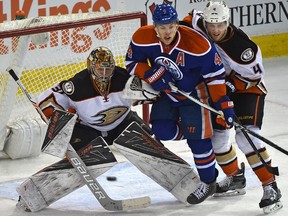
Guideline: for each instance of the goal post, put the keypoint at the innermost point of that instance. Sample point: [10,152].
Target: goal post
[43,51]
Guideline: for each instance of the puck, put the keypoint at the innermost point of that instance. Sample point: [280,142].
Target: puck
[111,178]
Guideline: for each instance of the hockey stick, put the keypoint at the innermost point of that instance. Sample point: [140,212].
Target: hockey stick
[265,140]
[244,130]
[96,189]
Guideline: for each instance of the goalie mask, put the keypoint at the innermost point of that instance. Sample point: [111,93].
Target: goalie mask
[101,64]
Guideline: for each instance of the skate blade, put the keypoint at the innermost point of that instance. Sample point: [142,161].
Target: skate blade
[272,208]
[229,193]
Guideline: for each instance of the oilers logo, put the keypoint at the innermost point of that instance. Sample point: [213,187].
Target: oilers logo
[170,66]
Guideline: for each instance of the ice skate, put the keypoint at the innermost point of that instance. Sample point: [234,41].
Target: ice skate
[270,201]
[232,185]
[22,205]
[201,193]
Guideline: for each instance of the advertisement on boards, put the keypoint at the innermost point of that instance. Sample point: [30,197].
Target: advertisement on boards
[256,17]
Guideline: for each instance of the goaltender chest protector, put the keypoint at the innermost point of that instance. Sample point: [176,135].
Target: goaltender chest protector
[93,109]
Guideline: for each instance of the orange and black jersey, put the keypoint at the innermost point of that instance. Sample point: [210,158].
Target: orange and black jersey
[241,57]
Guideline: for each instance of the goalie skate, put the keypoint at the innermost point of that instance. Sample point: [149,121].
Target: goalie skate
[232,185]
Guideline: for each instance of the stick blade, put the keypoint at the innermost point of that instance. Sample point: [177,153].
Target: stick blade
[128,204]
[136,203]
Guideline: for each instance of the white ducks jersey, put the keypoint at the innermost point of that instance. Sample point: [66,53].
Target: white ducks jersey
[80,94]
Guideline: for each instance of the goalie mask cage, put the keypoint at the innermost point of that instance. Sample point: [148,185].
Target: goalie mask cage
[71,39]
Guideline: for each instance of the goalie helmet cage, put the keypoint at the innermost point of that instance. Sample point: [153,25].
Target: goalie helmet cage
[71,38]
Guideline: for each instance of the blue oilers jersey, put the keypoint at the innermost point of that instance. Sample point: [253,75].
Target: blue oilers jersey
[192,59]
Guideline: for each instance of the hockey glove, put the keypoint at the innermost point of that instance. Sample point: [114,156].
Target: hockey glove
[230,87]
[226,107]
[158,78]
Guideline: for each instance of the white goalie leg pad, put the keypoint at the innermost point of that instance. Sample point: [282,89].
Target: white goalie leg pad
[185,186]
[25,138]
[137,89]
[157,162]
[178,179]
[28,191]
[44,188]
[3,155]
[59,179]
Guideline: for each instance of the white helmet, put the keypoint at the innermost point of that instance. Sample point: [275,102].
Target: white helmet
[216,12]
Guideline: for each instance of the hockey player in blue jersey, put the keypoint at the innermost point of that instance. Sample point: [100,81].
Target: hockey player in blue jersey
[165,53]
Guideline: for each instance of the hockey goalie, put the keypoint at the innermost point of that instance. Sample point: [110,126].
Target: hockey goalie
[99,116]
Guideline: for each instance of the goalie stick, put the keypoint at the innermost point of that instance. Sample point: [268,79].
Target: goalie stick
[244,130]
[96,189]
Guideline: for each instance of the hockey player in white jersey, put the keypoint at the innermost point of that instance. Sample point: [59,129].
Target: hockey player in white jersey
[242,60]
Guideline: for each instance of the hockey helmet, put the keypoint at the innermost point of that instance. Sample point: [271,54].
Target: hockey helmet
[101,63]
[164,14]
[216,12]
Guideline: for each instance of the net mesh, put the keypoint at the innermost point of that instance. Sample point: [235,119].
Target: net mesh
[70,40]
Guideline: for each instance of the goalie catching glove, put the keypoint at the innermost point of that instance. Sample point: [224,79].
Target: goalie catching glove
[139,91]
[226,107]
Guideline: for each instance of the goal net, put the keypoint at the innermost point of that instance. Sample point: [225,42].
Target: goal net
[42,61]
